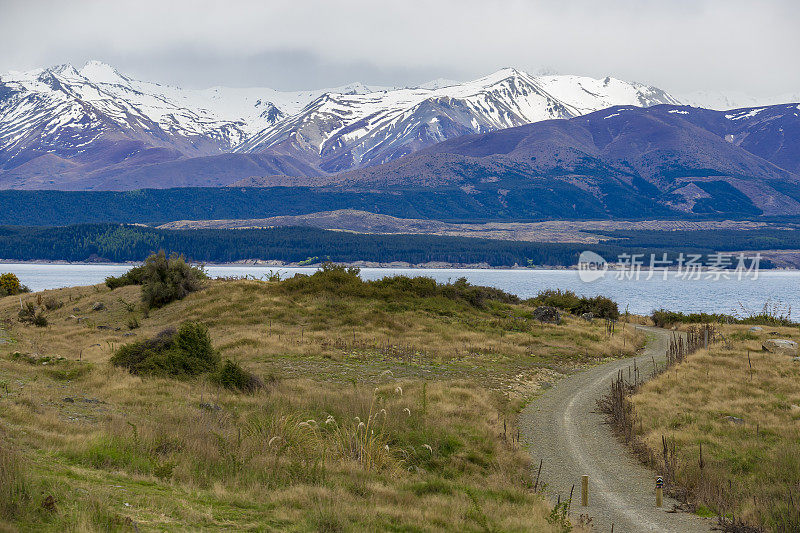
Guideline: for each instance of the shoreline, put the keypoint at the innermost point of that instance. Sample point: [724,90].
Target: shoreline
[613,268]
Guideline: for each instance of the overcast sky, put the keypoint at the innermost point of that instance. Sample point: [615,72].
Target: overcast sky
[678,45]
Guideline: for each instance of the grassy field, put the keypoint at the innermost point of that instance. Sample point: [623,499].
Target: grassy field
[741,405]
[384,408]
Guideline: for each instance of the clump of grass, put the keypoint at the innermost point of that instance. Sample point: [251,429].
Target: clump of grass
[51,304]
[182,353]
[14,488]
[71,372]
[29,315]
[232,376]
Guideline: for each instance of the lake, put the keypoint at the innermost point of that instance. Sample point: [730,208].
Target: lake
[641,296]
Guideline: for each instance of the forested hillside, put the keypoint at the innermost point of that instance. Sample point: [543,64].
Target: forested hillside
[114,242]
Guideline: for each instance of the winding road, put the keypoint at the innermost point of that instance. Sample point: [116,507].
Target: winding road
[563,429]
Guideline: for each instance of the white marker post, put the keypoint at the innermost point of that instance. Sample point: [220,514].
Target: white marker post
[659,491]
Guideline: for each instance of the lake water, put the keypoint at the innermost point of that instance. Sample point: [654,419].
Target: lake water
[641,296]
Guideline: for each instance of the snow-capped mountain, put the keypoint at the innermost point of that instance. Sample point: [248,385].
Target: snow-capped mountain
[725,100]
[339,132]
[62,110]
[63,126]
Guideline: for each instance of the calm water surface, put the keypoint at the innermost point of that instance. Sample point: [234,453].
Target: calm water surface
[641,296]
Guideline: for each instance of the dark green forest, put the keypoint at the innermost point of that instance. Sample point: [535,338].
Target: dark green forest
[718,240]
[157,206]
[115,242]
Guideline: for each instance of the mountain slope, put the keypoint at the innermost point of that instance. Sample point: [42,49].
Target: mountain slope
[339,132]
[622,161]
[71,128]
[60,126]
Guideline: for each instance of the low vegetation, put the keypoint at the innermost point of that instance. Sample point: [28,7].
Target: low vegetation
[10,285]
[163,279]
[30,314]
[599,306]
[184,352]
[723,426]
[773,313]
[134,276]
[317,403]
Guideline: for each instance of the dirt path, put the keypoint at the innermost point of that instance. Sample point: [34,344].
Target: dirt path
[564,430]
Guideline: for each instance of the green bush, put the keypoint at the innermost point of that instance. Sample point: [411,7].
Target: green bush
[662,318]
[134,276]
[345,281]
[232,376]
[163,279]
[182,353]
[599,306]
[10,285]
[167,279]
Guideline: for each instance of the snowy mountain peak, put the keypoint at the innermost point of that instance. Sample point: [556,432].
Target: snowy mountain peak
[66,112]
[502,75]
[438,83]
[341,131]
[99,72]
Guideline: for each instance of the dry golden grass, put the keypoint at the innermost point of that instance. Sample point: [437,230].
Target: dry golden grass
[378,414]
[752,461]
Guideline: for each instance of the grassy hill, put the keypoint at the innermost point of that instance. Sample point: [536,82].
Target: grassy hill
[386,405]
[730,416]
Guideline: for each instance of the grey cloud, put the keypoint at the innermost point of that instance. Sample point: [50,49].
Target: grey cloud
[678,45]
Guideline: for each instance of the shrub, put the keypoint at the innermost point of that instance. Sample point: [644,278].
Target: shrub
[167,279]
[163,279]
[134,276]
[10,285]
[461,289]
[232,376]
[28,315]
[599,306]
[662,318]
[51,304]
[341,280]
[182,353]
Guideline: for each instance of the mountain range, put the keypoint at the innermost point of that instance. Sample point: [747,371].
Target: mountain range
[96,128]
[623,162]
[511,144]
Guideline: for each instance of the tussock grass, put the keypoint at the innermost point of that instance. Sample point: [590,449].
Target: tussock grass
[742,405]
[387,409]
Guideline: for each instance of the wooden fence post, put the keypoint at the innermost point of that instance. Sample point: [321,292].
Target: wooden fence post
[584,491]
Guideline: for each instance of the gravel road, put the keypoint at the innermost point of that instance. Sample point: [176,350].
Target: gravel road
[564,430]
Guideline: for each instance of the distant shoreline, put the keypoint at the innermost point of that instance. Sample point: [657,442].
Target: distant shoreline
[278,264]
[367,264]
